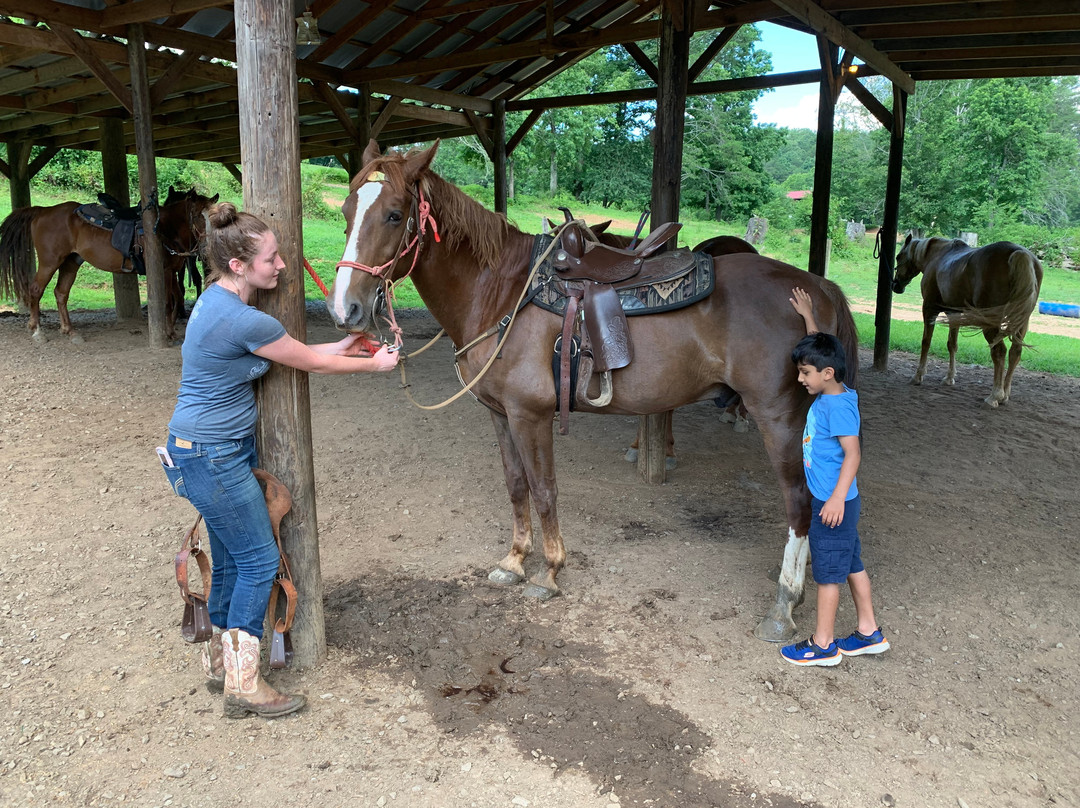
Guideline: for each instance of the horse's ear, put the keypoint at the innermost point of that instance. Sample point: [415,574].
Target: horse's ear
[600,228]
[214,199]
[418,162]
[907,241]
[371,152]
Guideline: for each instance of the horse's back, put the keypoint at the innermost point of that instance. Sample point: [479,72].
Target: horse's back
[987,276]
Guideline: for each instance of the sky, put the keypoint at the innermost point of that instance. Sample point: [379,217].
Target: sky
[789,107]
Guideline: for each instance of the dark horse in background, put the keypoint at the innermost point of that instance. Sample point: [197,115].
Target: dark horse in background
[63,241]
[993,288]
[739,338]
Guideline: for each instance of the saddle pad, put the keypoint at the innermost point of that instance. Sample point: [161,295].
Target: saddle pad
[691,282]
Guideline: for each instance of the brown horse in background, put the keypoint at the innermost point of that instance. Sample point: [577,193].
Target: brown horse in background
[63,241]
[474,275]
[993,288]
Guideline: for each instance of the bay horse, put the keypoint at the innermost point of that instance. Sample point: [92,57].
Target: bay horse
[471,265]
[63,241]
[993,288]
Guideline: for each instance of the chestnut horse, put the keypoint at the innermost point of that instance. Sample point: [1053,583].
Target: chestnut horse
[471,266]
[62,241]
[993,288]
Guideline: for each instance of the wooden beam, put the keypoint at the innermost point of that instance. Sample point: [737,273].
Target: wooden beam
[481,133]
[168,81]
[530,120]
[817,18]
[97,66]
[147,10]
[868,100]
[415,92]
[887,233]
[42,160]
[644,62]
[49,12]
[712,50]
[342,114]
[387,110]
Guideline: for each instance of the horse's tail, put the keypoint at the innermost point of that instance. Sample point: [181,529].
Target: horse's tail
[17,254]
[1025,280]
[846,330]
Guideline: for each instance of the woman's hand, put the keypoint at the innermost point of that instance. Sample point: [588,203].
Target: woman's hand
[355,345]
[385,359]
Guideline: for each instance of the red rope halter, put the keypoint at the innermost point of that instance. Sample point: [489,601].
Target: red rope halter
[385,272]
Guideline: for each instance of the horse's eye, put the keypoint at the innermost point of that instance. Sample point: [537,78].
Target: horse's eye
[394,217]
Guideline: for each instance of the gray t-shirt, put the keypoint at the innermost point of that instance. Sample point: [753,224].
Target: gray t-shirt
[216,400]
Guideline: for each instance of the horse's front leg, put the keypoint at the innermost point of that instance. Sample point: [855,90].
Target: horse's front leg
[954,334]
[784,449]
[927,336]
[511,570]
[997,354]
[532,436]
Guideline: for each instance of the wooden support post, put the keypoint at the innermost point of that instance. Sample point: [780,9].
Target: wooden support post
[18,154]
[153,253]
[887,234]
[823,158]
[498,155]
[270,152]
[114,172]
[674,62]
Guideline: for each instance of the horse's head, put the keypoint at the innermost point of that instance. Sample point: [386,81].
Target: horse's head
[908,263]
[383,220]
[182,220]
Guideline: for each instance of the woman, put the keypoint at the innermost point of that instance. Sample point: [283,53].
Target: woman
[211,446]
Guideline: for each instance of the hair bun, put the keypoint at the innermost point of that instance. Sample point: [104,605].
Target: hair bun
[222,215]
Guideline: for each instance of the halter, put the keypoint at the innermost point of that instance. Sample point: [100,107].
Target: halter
[420,213]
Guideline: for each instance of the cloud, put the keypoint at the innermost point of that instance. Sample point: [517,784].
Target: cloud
[790,113]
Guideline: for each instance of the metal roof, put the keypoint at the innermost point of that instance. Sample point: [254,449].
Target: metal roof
[435,67]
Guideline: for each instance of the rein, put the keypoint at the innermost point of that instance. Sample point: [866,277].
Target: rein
[421,214]
[505,324]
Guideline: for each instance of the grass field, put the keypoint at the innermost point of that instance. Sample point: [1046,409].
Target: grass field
[855,271]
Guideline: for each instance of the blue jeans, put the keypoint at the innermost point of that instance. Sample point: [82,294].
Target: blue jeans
[216,478]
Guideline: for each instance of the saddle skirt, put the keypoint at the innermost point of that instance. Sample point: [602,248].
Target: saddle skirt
[124,230]
[669,281]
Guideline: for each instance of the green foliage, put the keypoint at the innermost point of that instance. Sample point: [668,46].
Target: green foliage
[312,201]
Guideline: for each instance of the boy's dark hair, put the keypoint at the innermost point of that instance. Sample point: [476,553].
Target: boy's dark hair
[822,351]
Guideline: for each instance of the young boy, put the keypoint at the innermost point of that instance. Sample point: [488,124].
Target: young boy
[831,455]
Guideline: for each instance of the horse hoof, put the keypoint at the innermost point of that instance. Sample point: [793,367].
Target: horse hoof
[948,382]
[540,592]
[727,418]
[631,455]
[39,337]
[775,628]
[670,463]
[917,380]
[742,425]
[501,576]
[76,339]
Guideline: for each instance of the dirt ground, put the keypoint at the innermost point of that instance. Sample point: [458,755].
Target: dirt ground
[642,685]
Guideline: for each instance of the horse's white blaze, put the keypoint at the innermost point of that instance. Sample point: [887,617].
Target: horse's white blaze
[793,571]
[365,198]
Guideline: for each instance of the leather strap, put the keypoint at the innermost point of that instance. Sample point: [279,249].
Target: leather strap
[192,546]
[279,503]
[564,363]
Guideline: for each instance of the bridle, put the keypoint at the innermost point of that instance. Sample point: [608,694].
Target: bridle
[419,218]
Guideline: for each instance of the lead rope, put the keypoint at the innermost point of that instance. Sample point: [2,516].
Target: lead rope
[489,333]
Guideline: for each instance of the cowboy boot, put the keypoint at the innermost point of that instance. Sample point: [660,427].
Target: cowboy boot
[212,663]
[245,691]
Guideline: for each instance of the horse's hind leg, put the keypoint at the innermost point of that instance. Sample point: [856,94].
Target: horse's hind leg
[511,570]
[66,279]
[46,269]
[1015,349]
[954,334]
[997,354]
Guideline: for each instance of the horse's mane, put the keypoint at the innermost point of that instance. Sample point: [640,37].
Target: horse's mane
[460,218]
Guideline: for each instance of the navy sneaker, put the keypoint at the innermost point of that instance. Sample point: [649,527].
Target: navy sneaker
[858,644]
[808,653]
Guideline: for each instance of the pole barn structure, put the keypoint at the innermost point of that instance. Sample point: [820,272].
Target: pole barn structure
[230,83]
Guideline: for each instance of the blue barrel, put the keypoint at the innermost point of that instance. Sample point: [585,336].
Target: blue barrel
[1060,309]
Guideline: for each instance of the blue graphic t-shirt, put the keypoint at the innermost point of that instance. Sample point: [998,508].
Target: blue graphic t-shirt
[830,418]
[216,401]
